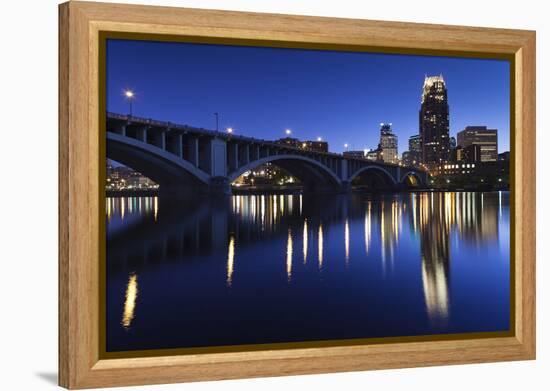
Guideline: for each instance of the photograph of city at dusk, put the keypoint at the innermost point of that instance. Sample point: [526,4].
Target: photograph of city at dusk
[264,195]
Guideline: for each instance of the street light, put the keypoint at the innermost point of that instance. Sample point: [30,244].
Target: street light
[346,145]
[229,130]
[319,139]
[288,132]
[129,95]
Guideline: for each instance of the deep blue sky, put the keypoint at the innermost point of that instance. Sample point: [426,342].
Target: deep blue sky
[339,96]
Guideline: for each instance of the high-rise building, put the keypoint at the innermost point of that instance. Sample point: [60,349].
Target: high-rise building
[407,159]
[415,148]
[486,139]
[388,144]
[434,121]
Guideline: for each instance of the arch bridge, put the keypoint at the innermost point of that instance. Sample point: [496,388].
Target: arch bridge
[181,157]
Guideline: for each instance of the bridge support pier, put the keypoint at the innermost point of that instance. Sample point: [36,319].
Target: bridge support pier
[345,187]
[219,185]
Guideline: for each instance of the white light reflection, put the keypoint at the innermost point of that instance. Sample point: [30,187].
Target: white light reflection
[436,290]
[230,260]
[368,228]
[130,301]
[289,255]
[320,246]
[304,241]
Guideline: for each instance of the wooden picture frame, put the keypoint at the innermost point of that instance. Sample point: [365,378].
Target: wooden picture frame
[81,210]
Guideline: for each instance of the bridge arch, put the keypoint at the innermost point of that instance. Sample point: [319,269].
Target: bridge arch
[159,165]
[377,169]
[313,174]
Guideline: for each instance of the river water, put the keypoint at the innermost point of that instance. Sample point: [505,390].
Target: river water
[254,269]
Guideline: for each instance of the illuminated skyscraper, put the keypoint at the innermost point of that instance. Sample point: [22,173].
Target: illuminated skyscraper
[434,121]
[415,148]
[388,144]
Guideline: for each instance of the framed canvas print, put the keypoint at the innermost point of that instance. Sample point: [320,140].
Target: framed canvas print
[248,195]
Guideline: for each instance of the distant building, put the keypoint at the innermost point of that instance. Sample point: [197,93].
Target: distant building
[374,155]
[415,148]
[454,168]
[434,121]
[473,175]
[318,146]
[486,139]
[290,141]
[355,154]
[388,144]
[469,154]
[124,178]
[407,158]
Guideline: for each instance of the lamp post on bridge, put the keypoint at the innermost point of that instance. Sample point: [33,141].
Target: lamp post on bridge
[129,94]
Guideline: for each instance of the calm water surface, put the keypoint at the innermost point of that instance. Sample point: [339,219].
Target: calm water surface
[282,268]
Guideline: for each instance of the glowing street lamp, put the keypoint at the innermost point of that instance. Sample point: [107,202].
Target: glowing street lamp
[229,130]
[319,139]
[129,95]
[288,132]
[346,145]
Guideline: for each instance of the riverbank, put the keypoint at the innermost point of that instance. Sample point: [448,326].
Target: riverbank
[132,193]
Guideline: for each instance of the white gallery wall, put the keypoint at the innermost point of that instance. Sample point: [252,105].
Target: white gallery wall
[28,194]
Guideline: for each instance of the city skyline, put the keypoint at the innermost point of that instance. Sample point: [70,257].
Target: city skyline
[339,96]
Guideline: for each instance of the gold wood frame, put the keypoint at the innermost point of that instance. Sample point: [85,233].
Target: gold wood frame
[83,25]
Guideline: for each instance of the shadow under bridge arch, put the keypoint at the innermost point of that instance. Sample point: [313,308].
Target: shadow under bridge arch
[315,176]
[373,178]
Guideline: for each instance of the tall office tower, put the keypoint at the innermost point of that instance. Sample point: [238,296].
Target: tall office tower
[434,121]
[388,144]
[487,139]
[415,148]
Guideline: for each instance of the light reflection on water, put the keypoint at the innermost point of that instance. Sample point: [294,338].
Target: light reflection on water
[387,265]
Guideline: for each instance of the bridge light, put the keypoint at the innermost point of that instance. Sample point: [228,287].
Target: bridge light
[229,130]
[129,95]
[288,132]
